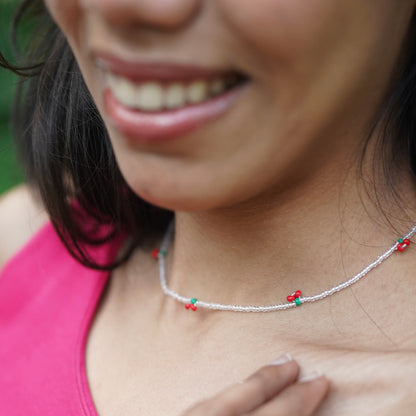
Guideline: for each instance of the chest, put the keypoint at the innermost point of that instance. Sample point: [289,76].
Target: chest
[147,370]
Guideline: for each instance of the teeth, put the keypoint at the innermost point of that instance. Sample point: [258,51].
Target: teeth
[150,97]
[217,86]
[123,91]
[197,92]
[175,96]
[155,96]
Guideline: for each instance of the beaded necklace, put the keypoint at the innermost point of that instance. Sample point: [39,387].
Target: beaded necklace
[293,300]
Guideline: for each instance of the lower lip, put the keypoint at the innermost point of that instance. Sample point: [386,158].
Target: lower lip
[143,126]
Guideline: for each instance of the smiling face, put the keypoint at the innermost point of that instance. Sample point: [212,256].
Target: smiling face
[210,103]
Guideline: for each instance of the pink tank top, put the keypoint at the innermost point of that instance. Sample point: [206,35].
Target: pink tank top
[47,302]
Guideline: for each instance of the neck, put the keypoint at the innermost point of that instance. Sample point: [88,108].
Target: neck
[309,238]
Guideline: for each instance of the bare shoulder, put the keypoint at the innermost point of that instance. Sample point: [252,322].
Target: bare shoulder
[20,217]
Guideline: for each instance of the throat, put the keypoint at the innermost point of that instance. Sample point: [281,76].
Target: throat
[269,278]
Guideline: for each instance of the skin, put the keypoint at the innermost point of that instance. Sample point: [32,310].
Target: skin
[272,390]
[267,201]
[20,217]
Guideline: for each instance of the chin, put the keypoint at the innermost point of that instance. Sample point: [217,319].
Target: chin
[186,198]
[175,200]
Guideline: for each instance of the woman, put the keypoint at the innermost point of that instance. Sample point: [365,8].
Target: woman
[281,136]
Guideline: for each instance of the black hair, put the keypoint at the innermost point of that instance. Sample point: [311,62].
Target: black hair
[66,152]
[68,158]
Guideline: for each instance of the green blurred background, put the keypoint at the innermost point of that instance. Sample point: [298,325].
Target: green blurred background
[10,174]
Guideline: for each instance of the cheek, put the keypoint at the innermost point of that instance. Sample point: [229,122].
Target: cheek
[67,15]
[310,58]
[301,36]
[279,28]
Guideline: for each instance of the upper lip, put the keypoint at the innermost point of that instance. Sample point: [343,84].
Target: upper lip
[163,71]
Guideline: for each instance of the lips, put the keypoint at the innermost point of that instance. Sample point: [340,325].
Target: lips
[154,102]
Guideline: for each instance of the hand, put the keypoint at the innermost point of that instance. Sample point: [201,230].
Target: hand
[273,390]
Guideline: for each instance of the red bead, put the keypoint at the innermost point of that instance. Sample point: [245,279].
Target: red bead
[155,253]
[188,305]
[291,298]
[401,246]
[193,307]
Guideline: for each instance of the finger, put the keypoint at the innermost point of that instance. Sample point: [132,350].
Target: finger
[259,388]
[299,399]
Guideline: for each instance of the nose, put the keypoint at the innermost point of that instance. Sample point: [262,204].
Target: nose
[164,14]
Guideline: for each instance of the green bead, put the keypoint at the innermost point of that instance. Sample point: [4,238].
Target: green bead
[162,252]
[400,240]
[194,300]
[297,301]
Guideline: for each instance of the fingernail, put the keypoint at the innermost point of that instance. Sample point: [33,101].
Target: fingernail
[283,359]
[310,377]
